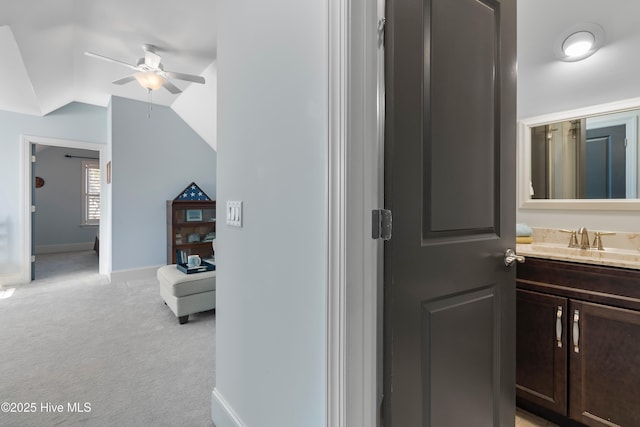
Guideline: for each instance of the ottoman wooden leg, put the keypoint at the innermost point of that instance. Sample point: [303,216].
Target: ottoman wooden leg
[183,319]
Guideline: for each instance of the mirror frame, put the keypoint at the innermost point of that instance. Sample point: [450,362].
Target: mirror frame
[524,160]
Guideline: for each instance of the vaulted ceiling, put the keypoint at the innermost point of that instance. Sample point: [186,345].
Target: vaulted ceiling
[43,66]
[42,45]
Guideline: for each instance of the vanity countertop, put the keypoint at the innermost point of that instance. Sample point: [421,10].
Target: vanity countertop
[620,250]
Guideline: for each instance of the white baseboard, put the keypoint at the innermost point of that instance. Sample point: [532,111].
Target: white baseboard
[64,247]
[222,414]
[11,280]
[134,274]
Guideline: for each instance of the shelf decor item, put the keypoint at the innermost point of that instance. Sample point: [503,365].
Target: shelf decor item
[192,215]
[199,269]
[192,192]
[190,224]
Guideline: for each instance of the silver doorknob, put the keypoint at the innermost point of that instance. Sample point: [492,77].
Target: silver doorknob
[510,257]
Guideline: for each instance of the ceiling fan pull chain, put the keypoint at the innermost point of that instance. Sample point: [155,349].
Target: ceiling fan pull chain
[149,103]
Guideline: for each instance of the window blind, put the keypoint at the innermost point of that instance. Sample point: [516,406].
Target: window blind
[91,172]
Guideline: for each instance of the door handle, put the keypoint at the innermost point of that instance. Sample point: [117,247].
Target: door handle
[576,331]
[510,257]
[559,326]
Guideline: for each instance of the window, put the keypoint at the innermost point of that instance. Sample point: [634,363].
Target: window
[90,193]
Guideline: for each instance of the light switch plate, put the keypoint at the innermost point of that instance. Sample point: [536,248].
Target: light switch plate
[234,213]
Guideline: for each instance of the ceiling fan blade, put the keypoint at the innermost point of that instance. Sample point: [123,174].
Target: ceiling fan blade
[124,80]
[152,59]
[106,58]
[171,87]
[186,77]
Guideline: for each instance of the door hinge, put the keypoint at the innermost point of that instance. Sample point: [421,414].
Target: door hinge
[381,224]
[33,258]
[33,159]
[382,23]
[33,208]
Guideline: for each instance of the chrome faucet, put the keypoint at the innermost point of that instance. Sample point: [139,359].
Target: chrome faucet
[584,238]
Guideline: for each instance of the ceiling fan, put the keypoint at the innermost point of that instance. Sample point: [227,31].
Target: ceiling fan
[150,72]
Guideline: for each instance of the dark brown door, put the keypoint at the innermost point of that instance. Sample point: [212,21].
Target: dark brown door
[541,349]
[605,365]
[449,333]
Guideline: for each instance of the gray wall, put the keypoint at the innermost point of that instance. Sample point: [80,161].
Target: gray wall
[271,277]
[58,203]
[75,121]
[153,159]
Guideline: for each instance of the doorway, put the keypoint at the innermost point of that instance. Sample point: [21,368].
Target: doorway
[58,149]
[66,219]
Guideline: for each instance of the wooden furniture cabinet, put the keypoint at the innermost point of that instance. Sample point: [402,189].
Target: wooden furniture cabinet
[578,343]
[191,227]
[541,353]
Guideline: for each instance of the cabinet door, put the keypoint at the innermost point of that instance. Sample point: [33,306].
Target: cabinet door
[541,349]
[605,365]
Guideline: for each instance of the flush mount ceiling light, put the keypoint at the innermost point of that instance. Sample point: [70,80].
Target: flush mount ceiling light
[579,42]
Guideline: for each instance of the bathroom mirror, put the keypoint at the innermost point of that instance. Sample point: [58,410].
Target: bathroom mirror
[581,159]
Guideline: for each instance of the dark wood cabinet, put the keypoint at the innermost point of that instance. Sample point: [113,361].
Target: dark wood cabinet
[541,355]
[191,227]
[578,343]
[605,365]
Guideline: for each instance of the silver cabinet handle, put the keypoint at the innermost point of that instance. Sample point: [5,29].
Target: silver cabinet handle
[576,331]
[559,326]
[510,257]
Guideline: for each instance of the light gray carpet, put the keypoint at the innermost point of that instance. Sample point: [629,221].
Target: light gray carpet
[71,337]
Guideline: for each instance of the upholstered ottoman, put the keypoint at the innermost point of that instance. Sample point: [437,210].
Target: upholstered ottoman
[186,294]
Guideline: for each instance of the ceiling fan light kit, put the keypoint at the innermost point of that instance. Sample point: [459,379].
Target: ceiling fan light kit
[150,73]
[150,80]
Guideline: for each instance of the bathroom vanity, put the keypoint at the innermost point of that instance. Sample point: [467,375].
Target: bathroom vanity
[578,310]
[578,338]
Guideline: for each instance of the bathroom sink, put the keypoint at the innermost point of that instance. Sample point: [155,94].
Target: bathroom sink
[609,256]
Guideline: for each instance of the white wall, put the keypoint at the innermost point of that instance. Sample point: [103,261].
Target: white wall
[153,160]
[271,277]
[75,121]
[197,105]
[628,221]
